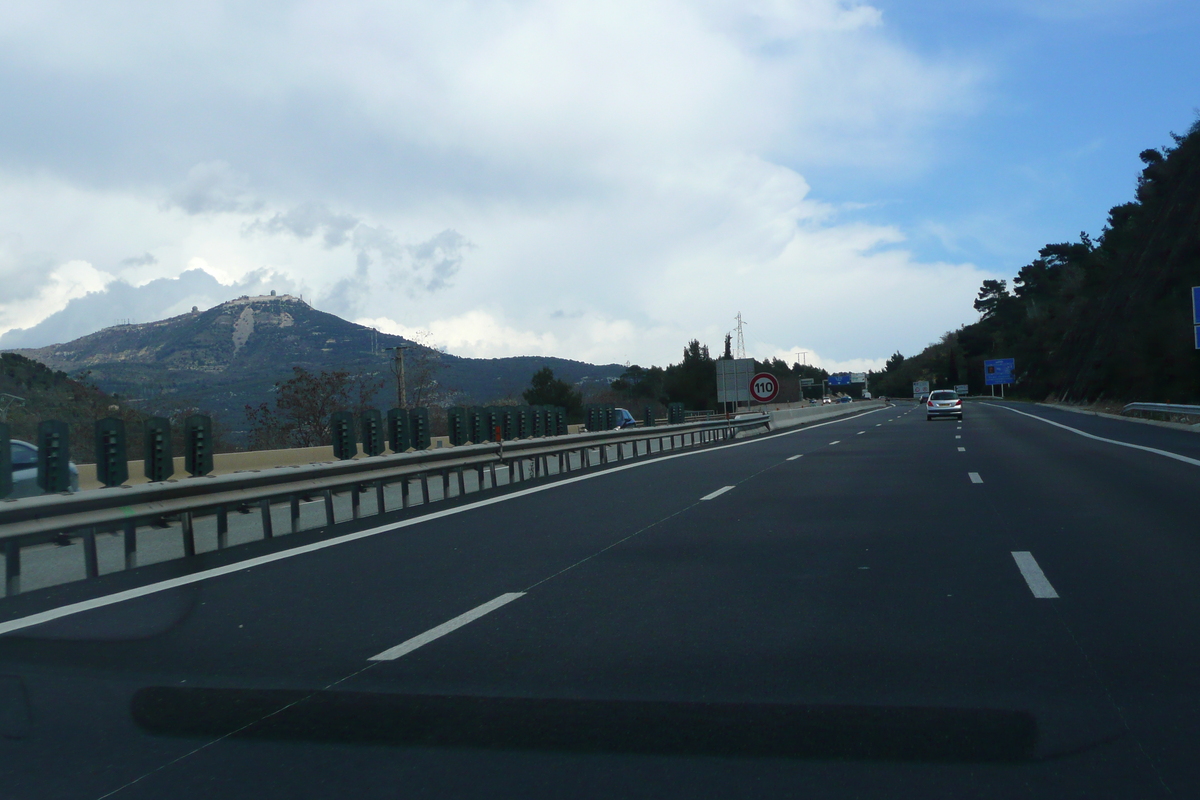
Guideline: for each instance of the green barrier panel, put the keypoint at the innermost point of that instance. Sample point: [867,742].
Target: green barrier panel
[560,421]
[197,445]
[112,461]
[524,422]
[493,419]
[648,417]
[399,430]
[509,422]
[539,421]
[675,415]
[341,426]
[54,456]
[5,461]
[477,425]
[420,428]
[157,459]
[456,425]
[370,424]
[610,416]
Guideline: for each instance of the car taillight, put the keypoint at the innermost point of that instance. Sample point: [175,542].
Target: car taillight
[930,404]
[958,402]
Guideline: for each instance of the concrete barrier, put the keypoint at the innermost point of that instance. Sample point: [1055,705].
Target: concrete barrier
[791,417]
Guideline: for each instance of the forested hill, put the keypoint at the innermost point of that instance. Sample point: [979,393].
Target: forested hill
[1088,320]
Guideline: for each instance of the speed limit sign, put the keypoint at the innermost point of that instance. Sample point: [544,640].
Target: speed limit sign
[763,387]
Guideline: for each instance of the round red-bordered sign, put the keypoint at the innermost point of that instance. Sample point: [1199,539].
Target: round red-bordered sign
[763,387]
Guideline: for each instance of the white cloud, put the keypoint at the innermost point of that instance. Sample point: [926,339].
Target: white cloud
[65,283]
[594,181]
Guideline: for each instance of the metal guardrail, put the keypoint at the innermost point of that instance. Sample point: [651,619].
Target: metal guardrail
[1161,408]
[36,520]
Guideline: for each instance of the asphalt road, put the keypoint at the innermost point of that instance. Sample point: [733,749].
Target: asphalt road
[879,606]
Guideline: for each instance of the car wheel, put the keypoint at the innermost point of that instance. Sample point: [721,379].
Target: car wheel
[928,418]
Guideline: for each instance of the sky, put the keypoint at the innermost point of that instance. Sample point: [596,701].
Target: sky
[596,181]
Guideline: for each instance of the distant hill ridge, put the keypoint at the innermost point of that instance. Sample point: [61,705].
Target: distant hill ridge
[231,355]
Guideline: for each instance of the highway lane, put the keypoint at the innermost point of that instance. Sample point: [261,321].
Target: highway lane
[870,571]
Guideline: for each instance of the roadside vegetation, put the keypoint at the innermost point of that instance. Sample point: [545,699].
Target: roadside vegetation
[1108,319]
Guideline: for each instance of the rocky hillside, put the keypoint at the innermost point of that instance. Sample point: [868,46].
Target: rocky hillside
[231,355]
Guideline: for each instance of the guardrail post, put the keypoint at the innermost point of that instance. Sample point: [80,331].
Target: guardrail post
[189,535]
[12,567]
[445,484]
[424,488]
[404,491]
[462,482]
[492,470]
[130,537]
[380,501]
[91,563]
[268,529]
[5,461]
[354,501]
[294,512]
[329,519]
[222,527]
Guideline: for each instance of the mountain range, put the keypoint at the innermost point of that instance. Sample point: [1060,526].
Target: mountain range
[230,356]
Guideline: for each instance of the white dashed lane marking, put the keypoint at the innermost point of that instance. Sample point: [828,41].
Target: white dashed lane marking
[1034,577]
[391,654]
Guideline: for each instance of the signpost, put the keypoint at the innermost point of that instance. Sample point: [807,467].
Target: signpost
[1196,314]
[764,387]
[962,390]
[858,377]
[839,380]
[998,372]
[734,377]
[920,388]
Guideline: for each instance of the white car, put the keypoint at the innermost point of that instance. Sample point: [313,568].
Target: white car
[24,470]
[943,403]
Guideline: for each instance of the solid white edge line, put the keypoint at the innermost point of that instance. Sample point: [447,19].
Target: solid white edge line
[962,449]
[184,580]
[835,441]
[1165,453]
[1033,575]
[793,458]
[392,653]
[974,476]
[717,493]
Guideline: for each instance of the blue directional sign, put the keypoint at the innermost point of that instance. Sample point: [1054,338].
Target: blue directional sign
[1196,313]
[997,371]
[839,380]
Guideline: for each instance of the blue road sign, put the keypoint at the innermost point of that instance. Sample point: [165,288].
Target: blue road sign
[997,371]
[1196,313]
[839,380]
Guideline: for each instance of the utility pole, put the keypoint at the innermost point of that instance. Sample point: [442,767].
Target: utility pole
[741,340]
[801,377]
[398,368]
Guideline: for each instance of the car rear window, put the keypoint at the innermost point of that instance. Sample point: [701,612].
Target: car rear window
[943,396]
